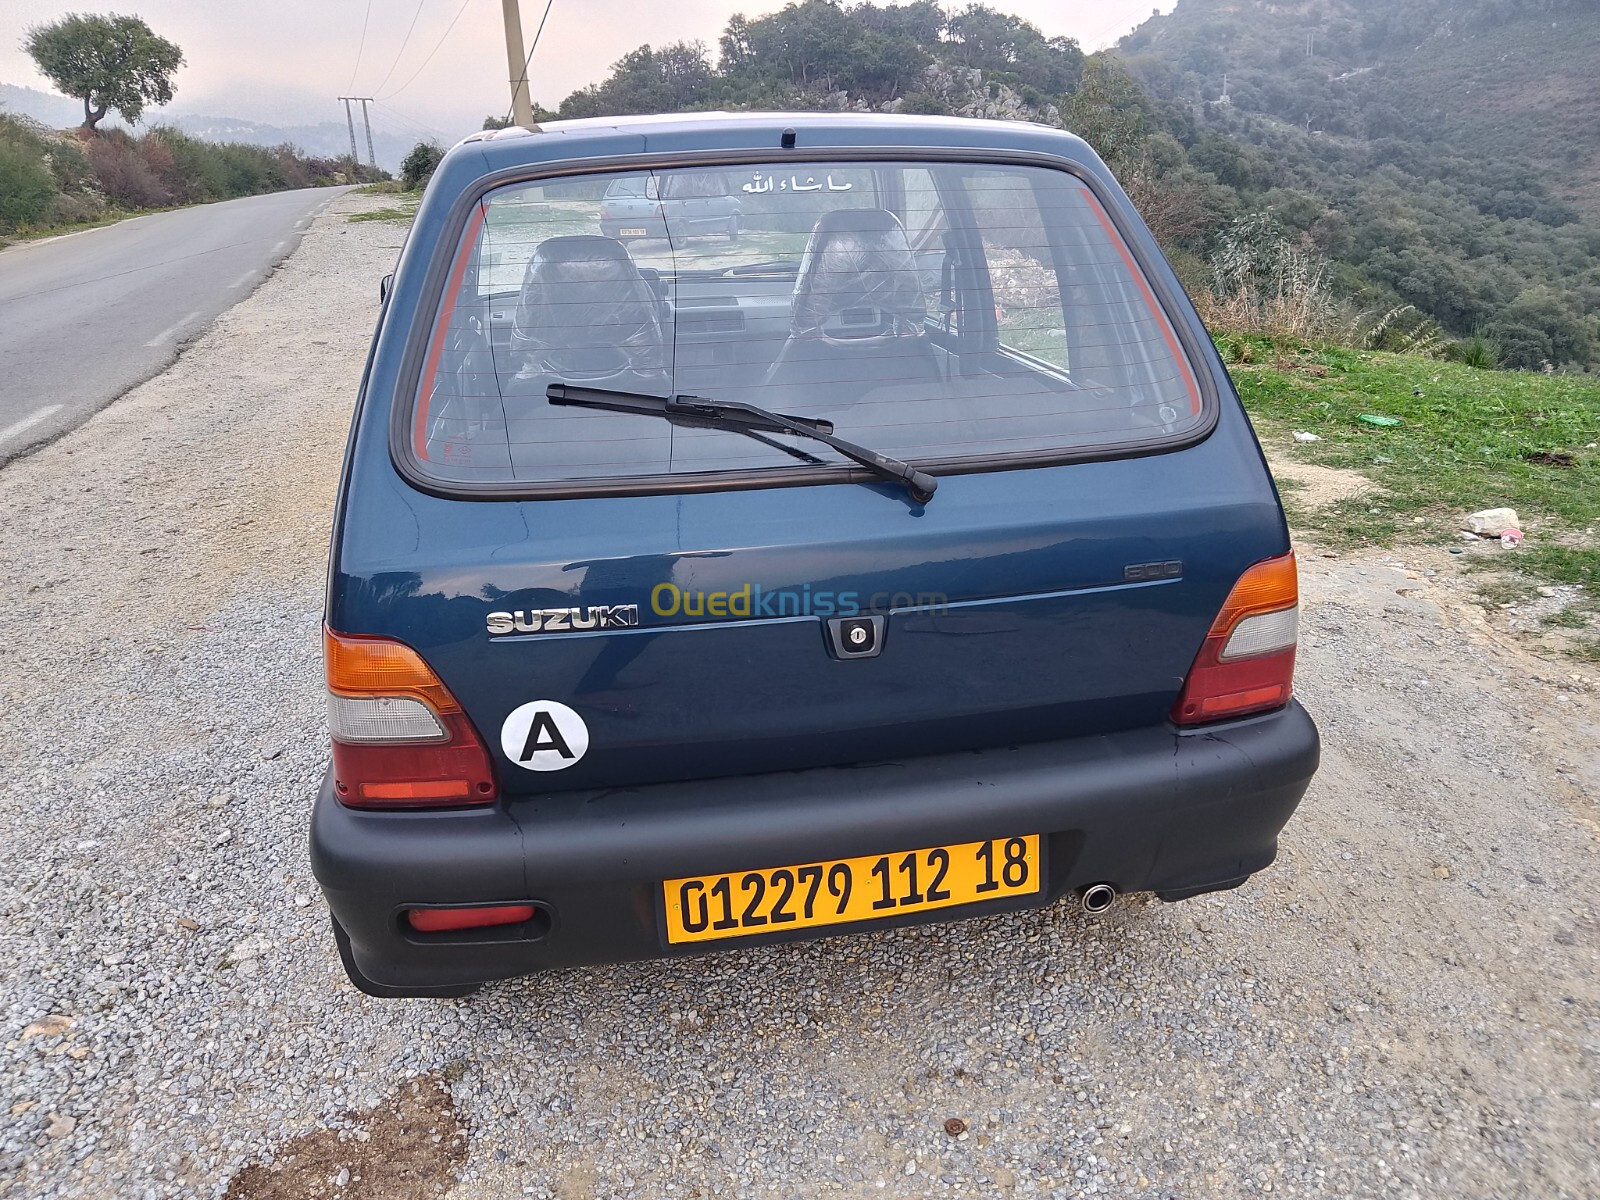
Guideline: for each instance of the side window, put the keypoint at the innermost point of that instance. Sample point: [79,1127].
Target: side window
[1027,291]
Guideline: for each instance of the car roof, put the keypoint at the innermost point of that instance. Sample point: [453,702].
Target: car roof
[490,151]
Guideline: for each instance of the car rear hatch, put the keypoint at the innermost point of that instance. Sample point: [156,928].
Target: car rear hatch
[673,587]
[1018,607]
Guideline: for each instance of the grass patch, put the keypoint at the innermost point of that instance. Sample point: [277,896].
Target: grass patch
[1503,588]
[1464,440]
[1587,649]
[1564,564]
[1567,618]
[1467,439]
[385,214]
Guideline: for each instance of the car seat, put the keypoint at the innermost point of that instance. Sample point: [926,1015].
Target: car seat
[586,314]
[858,312]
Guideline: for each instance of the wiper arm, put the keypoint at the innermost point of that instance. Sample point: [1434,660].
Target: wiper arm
[733,415]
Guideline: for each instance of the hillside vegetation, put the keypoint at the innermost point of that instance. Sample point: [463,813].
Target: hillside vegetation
[1443,152]
[1399,228]
[49,179]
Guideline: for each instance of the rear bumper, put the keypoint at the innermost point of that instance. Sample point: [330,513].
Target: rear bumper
[1147,810]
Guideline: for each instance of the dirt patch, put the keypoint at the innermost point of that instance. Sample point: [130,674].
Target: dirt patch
[1317,487]
[411,1147]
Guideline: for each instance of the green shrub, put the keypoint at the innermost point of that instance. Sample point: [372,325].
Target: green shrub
[418,166]
[27,189]
[197,172]
[1478,351]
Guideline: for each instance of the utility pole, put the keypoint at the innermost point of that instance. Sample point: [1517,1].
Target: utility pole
[371,153]
[350,121]
[366,121]
[521,104]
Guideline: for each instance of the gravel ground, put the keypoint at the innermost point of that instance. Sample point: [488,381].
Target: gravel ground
[1408,1004]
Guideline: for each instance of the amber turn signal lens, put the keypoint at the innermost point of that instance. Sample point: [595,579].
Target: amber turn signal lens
[1266,587]
[361,666]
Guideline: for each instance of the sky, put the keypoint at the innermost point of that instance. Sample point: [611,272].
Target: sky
[436,67]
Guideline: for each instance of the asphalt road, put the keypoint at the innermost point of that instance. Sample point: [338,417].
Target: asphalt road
[85,317]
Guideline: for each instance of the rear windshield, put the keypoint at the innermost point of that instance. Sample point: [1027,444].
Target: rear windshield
[956,315]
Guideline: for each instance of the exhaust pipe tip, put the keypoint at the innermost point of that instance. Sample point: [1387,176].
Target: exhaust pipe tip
[1097,898]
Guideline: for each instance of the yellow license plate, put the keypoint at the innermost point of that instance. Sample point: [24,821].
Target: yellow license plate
[631,231]
[702,908]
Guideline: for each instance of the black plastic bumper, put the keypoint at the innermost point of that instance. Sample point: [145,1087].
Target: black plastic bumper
[1147,810]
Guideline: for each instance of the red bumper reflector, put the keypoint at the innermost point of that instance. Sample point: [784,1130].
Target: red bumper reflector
[433,789]
[439,920]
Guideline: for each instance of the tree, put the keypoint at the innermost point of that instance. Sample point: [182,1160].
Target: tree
[671,79]
[107,62]
[419,164]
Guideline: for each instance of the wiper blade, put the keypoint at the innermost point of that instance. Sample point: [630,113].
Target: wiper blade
[738,417]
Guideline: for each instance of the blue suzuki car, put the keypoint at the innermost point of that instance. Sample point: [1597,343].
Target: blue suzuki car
[910,558]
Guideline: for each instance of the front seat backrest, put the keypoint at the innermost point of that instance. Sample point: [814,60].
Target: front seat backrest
[858,313]
[858,277]
[586,312]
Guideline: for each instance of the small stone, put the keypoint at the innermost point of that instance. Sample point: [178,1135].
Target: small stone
[1441,872]
[342,1179]
[57,1126]
[78,1053]
[52,1026]
[188,923]
[1491,522]
[1306,438]
[221,800]
[22,1106]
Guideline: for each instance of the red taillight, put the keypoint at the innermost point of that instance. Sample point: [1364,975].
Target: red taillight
[400,740]
[439,920]
[1246,664]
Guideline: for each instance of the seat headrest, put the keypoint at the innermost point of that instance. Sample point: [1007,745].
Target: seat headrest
[585,311]
[580,247]
[858,271]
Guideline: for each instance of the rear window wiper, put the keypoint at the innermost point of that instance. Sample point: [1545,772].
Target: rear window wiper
[737,417]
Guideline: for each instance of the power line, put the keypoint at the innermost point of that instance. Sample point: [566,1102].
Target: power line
[413,122]
[523,78]
[404,42]
[435,49]
[362,46]
[1130,19]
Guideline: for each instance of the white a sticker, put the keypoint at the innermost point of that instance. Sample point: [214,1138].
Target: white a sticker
[543,735]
